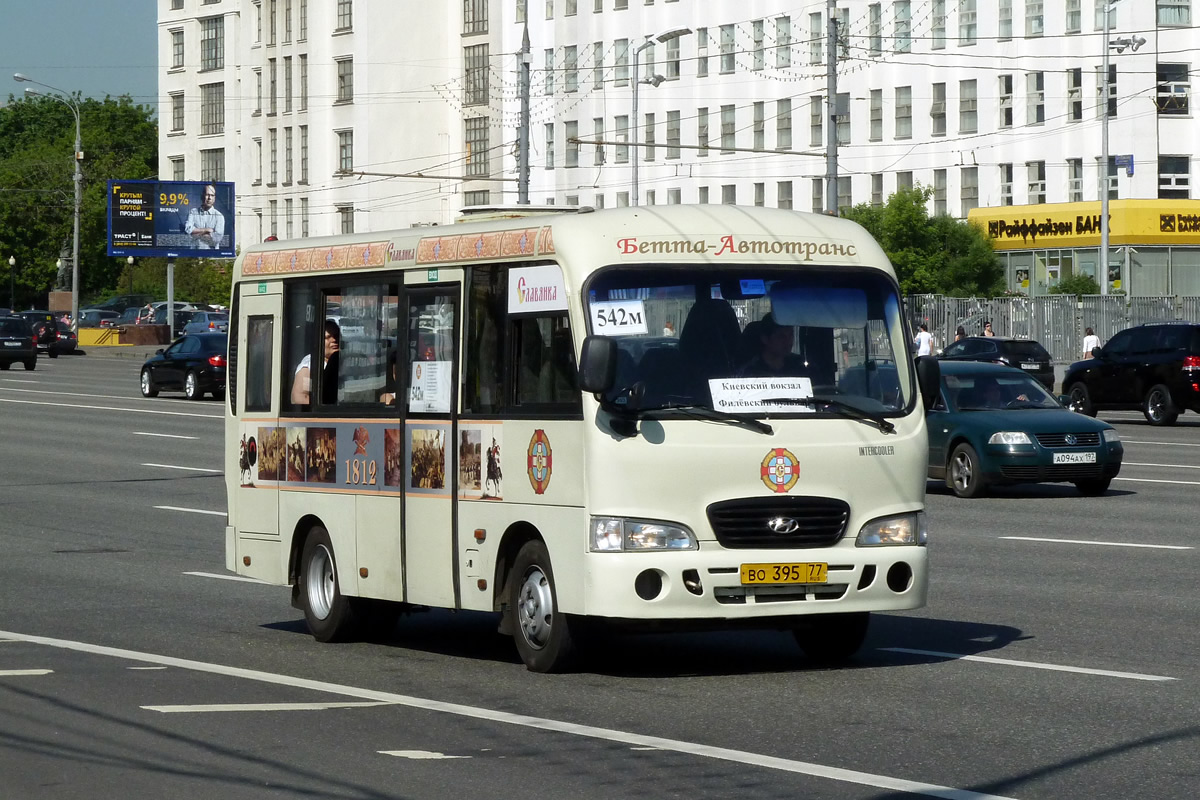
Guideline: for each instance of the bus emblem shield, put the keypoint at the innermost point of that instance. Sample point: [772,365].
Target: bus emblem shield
[539,461]
[780,470]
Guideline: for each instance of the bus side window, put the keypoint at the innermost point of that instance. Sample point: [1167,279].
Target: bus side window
[544,363]
[260,334]
[299,334]
[484,328]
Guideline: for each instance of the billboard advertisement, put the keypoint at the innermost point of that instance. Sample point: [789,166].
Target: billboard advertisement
[171,218]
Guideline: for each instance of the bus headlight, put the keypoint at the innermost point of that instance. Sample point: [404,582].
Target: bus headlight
[900,529]
[616,534]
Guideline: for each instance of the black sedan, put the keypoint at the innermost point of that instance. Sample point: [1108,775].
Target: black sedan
[1024,354]
[68,340]
[194,364]
[16,343]
[997,425]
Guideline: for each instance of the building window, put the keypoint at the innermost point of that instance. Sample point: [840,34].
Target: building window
[258,92]
[877,189]
[303,26]
[621,73]
[875,30]
[1034,19]
[177,168]
[1174,177]
[1006,184]
[287,22]
[701,52]
[177,111]
[303,82]
[783,194]
[843,118]
[903,25]
[1111,91]
[273,85]
[816,39]
[758,51]
[760,194]
[345,16]
[673,59]
[549,128]
[1175,12]
[274,217]
[674,134]
[1035,93]
[937,110]
[571,131]
[176,49]
[304,217]
[549,9]
[477,198]
[968,23]
[622,199]
[1006,101]
[176,5]
[598,65]
[1113,187]
[760,126]
[571,10]
[727,42]
[345,150]
[968,108]
[212,43]
[571,68]
[475,16]
[783,42]
[783,124]
[258,155]
[1112,14]
[304,154]
[674,197]
[287,219]
[287,156]
[815,120]
[475,134]
[729,194]
[272,17]
[1036,171]
[212,164]
[1174,85]
[1074,16]
[598,134]
[212,108]
[845,192]
[968,189]
[1074,180]
[548,80]
[702,130]
[287,84]
[345,80]
[522,10]
[1074,94]
[273,140]
[903,112]
[1005,30]
[818,195]
[939,192]
[346,218]
[875,133]
[904,181]
[475,74]
[621,123]
[938,27]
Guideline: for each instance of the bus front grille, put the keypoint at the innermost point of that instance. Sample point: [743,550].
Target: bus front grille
[778,522]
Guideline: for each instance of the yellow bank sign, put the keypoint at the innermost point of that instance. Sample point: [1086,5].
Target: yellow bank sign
[1068,225]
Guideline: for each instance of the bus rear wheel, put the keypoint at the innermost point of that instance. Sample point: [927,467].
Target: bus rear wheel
[330,615]
[541,631]
[830,639]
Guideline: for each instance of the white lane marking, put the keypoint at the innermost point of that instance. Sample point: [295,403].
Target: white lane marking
[10,673]
[417,754]
[1164,466]
[1105,544]
[193,510]
[221,707]
[164,435]
[13,380]
[145,668]
[189,469]
[226,577]
[540,723]
[179,400]
[1008,662]
[110,408]
[1168,444]
[1151,480]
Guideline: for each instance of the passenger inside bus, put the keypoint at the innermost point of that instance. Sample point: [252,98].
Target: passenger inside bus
[302,381]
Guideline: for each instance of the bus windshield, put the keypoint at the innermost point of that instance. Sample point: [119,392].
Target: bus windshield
[755,340]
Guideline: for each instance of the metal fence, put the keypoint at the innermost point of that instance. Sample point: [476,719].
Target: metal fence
[1056,321]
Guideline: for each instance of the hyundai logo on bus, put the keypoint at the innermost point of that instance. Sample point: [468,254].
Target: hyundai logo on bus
[783,525]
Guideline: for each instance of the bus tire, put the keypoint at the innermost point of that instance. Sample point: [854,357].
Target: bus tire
[330,615]
[541,631]
[830,639]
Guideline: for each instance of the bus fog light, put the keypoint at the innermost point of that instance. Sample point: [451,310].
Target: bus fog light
[900,529]
[606,535]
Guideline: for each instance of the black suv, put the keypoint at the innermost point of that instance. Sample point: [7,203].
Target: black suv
[1024,354]
[45,330]
[1154,368]
[16,343]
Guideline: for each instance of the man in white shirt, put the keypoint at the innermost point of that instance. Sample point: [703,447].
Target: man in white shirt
[205,224]
[924,341]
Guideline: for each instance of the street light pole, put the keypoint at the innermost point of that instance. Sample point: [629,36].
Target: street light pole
[12,284]
[637,80]
[78,179]
[1104,161]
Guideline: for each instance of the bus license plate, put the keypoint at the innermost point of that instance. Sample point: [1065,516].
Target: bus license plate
[1074,458]
[775,574]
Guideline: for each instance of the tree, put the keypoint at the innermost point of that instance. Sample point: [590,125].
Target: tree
[939,255]
[1076,284]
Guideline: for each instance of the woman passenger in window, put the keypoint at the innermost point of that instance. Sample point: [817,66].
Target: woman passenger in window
[302,382]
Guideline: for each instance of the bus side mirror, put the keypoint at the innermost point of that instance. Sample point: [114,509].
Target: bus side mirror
[598,364]
[929,378]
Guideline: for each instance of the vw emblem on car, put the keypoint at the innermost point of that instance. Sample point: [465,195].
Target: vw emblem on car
[783,525]
[1071,439]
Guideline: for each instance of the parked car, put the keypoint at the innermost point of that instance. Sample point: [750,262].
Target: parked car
[207,321]
[16,343]
[1154,368]
[997,425]
[68,340]
[1025,354]
[45,331]
[118,303]
[193,364]
[160,310]
[96,317]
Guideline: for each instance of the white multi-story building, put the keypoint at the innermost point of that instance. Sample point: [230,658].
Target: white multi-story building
[988,102]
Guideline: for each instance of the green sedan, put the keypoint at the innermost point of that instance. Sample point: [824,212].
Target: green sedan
[997,425]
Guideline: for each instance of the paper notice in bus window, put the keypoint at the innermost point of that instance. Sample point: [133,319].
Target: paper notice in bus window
[619,318]
[429,391]
[750,395]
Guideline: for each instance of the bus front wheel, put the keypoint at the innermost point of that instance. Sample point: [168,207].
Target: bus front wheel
[329,614]
[830,639]
[541,631]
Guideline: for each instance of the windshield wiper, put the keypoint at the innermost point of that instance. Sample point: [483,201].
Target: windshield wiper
[706,413]
[831,403]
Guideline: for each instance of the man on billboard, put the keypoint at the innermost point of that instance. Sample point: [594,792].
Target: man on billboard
[205,224]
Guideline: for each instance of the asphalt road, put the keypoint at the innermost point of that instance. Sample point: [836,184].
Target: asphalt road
[1057,657]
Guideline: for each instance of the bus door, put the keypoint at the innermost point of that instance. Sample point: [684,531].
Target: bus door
[430,365]
[254,392]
